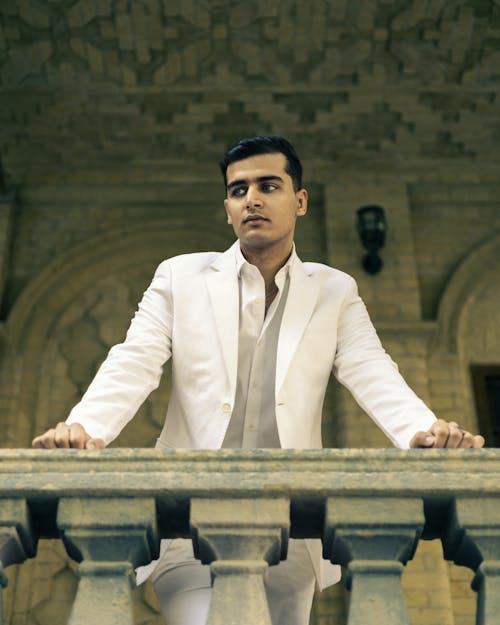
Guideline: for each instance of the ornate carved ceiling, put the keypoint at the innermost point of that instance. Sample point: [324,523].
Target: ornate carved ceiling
[118,84]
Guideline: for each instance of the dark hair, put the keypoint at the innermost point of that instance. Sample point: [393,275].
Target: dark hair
[265,145]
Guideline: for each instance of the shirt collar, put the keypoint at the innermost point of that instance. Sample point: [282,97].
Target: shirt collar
[241,261]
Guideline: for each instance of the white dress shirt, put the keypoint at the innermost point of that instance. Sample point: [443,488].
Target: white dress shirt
[253,422]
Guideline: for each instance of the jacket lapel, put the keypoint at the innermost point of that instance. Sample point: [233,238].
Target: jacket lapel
[302,296]
[222,284]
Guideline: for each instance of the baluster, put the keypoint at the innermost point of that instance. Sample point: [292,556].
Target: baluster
[109,537]
[239,539]
[16,538]
[479,548]
[373,538]
[3,584]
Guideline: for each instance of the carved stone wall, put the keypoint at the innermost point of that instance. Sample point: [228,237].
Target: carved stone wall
[113,115]
[89,84]
[468,334]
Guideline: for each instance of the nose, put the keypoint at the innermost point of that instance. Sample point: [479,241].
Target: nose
[253,198]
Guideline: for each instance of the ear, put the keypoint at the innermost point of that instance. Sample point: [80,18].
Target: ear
[229,220]
[301,196]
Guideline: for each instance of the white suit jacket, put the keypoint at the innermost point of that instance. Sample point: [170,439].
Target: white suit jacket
[190,313]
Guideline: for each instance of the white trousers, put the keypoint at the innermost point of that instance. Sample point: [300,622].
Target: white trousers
[182,585]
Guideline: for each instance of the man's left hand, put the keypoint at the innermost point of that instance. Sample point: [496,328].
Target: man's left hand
[446,434]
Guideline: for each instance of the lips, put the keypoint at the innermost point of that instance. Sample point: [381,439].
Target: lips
[254,218]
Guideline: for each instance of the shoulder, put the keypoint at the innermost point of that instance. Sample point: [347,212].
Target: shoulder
[187,263]
[322,272]
[332,284]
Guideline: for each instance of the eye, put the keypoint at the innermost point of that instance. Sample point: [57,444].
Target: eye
[238,191]
[268,187]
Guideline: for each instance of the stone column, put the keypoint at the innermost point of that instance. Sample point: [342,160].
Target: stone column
[373,537]
[479,549]
[240,538]
[7,200]
[16,538]
[109,537]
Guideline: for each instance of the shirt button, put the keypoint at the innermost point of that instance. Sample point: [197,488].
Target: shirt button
[259,301]
[226,407]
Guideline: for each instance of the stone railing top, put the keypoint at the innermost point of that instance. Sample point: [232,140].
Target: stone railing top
[368,506]
[264,473]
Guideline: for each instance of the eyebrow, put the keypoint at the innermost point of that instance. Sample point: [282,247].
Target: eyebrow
[237,183]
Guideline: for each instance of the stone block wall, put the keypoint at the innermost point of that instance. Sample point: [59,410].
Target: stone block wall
[113,116]
[69,305]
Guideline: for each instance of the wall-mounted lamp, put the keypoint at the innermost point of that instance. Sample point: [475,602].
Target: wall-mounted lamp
[372,228]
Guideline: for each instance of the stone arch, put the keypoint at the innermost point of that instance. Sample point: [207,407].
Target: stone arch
[72,300]
[86,295]
[469,322]
[478,270]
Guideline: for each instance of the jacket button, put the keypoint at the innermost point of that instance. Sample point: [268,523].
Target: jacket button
[226,407]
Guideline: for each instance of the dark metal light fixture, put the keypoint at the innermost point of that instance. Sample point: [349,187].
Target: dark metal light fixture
[372,228]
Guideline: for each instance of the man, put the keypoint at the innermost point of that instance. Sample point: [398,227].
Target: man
[253,334]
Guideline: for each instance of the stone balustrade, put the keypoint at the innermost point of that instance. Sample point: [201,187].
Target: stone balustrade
[369,507]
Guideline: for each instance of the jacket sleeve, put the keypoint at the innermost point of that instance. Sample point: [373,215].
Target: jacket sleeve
[362,365]
[132,369]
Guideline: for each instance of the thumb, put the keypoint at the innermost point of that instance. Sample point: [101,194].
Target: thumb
[95,443]
[422,439]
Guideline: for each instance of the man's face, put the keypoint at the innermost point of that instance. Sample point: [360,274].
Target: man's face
[261,203]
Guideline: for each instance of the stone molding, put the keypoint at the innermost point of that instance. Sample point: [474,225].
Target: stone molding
[474,272]
[47,307]
[90,260]
[180,473]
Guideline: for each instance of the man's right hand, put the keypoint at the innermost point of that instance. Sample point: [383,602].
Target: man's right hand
[67,436]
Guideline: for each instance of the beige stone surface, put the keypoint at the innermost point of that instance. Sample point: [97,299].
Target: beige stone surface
[427,586]
[373,498]
[113,116]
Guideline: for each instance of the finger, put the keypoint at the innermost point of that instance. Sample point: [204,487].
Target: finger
[61,435]
[441,431]
[95,443]
[78,437]
[455,436]
[470,441]
[422,439]
[478,441]
[45,440]
[48,439]
[467,440]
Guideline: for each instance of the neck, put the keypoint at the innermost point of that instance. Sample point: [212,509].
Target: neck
[268,262]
